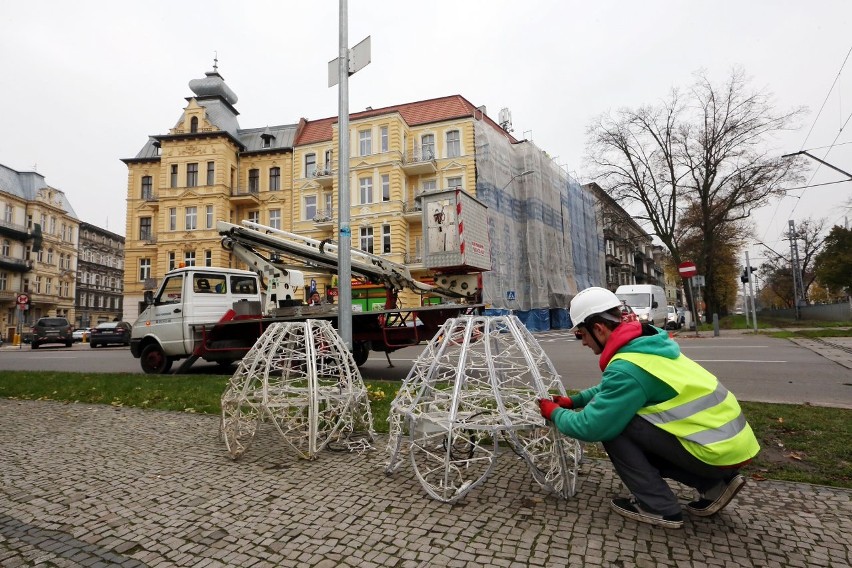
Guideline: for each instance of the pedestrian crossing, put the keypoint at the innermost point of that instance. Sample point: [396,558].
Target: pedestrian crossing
[554,335]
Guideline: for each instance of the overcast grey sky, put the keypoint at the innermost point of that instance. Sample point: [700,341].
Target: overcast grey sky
[84,83]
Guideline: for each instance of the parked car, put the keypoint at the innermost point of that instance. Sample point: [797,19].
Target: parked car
[627,313]
[110,333]
[80,334]
[672,318]
[52,330]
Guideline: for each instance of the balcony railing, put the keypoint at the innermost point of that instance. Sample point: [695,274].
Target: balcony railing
[323,217]
[419,161]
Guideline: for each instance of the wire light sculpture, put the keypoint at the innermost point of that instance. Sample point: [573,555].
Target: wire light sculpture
[301,377]
[475,385]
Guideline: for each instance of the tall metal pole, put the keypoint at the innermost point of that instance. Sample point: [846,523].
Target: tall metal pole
[344,305]
[751,293]
[794,268]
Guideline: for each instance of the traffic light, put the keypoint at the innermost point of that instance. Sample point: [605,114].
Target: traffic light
[746,273]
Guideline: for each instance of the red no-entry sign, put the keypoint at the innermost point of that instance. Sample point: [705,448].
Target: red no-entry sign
[687,269]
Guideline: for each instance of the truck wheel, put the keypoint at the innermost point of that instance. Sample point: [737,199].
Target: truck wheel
[154,360]
[360,352]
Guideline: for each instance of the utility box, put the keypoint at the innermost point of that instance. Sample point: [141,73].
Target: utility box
[455,232]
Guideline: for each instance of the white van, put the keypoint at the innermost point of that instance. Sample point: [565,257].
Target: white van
[649,302]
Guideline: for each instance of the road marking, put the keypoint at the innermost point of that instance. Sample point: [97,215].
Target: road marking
[735,361]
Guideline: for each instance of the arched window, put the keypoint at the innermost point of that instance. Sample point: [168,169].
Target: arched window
[193,124]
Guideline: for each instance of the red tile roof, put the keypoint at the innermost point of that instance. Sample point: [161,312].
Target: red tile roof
[414,114]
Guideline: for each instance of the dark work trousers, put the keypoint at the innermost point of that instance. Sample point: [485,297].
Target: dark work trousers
[643,455]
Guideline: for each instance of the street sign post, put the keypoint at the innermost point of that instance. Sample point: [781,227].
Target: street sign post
[687,269]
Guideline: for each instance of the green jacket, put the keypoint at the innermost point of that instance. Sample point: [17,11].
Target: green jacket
[681,398]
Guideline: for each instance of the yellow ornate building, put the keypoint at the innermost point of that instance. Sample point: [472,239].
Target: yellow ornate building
[207,168]
[38,250]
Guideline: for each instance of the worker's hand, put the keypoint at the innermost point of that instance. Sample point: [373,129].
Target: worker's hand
[563,401]
[546,407]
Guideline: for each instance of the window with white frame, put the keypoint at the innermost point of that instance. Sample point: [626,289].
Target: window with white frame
[453,144]
[172,260]
[386,239]
[310,209]
[173,176]
[329,200]
[7,247]
[385,187]
[9,212]
[189,258]
[429,185]
[365,186]
[4,280]
[173,218]
[254,216]
[454,182]
[329,158]
[254,180]
[48,286]
[144,268]
[50,256]
[383,137]
[366,239]
[191,218]
[427,146]
[208,258]
[310,165]
[38,284]
[275,218]
[209,216]
[365,142]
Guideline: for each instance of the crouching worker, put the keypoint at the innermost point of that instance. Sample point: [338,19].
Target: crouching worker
[659,415]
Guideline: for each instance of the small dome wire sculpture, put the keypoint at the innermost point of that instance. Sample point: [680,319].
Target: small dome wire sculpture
[475,385]
[301,377]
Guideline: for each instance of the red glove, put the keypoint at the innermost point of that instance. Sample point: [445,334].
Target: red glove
[547,407]
[563,401]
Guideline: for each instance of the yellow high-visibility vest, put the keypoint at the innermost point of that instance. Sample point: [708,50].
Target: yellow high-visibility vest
[704,415]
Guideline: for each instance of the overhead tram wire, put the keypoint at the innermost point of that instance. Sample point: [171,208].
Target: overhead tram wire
[827,95]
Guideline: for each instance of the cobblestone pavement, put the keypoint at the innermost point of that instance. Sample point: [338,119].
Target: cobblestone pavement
[88,485]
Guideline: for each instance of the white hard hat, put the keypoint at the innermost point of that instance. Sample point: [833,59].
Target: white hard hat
[592,301]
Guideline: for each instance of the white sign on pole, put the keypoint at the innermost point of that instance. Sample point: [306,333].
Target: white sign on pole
[698,280]
[359,57]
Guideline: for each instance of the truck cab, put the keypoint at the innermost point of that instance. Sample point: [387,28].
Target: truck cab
[164,331]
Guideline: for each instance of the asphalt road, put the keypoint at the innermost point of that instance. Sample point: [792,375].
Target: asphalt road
[756,368]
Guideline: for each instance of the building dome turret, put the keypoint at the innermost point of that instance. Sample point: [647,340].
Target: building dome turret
[213,85]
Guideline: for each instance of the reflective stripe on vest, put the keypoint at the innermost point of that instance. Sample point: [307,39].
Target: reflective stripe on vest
[704,415]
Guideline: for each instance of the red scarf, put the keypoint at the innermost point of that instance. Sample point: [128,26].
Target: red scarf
[620,336]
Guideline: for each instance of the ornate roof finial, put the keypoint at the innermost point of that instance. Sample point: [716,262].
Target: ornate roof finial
[216,61]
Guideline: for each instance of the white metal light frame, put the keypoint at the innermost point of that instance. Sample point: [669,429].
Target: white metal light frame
[474,386]
[301,377]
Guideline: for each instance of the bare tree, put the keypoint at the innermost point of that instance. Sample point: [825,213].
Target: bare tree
[704,152]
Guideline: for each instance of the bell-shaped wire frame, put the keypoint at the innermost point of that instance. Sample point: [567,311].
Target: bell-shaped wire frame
[475,385]
[301,377]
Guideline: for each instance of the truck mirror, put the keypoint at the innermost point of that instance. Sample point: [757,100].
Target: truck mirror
[654,304]
[149,297]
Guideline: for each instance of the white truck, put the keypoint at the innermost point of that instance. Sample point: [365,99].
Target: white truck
[217,314]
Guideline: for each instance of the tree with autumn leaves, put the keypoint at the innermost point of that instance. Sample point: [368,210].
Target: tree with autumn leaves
[697,164]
